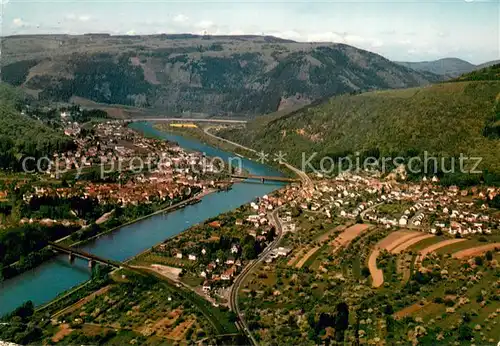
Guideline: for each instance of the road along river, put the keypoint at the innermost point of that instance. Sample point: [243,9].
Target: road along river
[53,277]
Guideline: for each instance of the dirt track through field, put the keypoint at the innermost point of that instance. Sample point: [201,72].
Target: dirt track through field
[64,330]
[300,258]
[376,273]
[479,250]
[343,239]
[409,310]
[393,238]
[306,257]
[82,302]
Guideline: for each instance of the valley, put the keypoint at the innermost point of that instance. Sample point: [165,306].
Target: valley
[189,74]
[214,187]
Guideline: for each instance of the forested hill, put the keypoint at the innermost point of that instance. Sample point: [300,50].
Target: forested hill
[189,73]
[444,119]
[449,67]
[488,73]
[22,136]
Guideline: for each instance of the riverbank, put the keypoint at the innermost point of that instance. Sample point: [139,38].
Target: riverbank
[199,134]
[40,256]
[58,275]
[203,134]
[171,208]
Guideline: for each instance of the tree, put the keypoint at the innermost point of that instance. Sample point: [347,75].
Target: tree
[489,256]
[249,252]
[478,260]
[495,202]
[325,320]
[466,317]
[341,321]
[296,212]
[248,239]
[25,310]
[271,234]
[232,317]
[221,255]
[464,332]
[97,273]
[365,272]
[388,310]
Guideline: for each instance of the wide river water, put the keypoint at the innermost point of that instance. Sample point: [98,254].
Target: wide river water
[53,277]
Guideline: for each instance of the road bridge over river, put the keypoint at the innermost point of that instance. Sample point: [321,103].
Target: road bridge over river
[73,252]
[264,178]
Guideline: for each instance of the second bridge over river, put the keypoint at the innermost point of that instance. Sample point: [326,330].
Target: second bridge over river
[264,178]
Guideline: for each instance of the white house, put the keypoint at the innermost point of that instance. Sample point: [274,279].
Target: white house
[403,221]
[283,251]
[206,286]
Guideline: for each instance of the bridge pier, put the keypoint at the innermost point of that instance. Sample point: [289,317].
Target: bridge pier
[71,257]
[91,263]
[262,180]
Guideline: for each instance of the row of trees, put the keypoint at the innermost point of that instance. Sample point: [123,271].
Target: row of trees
[55,207]
[495,202]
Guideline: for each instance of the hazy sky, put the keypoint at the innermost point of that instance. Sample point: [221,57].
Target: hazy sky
[398,29]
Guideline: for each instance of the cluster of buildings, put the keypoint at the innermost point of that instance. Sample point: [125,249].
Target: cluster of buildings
[158,186]
[113,145]
[218,262]
[440,210]
[169,173]
[422,205]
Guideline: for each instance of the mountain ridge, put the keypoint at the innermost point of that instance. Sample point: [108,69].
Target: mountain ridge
[445,120]
[235,75]
[448,67]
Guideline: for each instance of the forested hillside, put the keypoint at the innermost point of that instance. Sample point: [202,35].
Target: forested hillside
[487,73]
[492,126]
[444,120]
[22,136]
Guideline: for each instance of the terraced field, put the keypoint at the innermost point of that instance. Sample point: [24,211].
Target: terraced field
[432,248]
[395,243]
[478,250]
[302,255]
[348,235]
[407,244]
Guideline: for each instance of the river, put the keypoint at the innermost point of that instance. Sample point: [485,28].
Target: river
[53,277]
